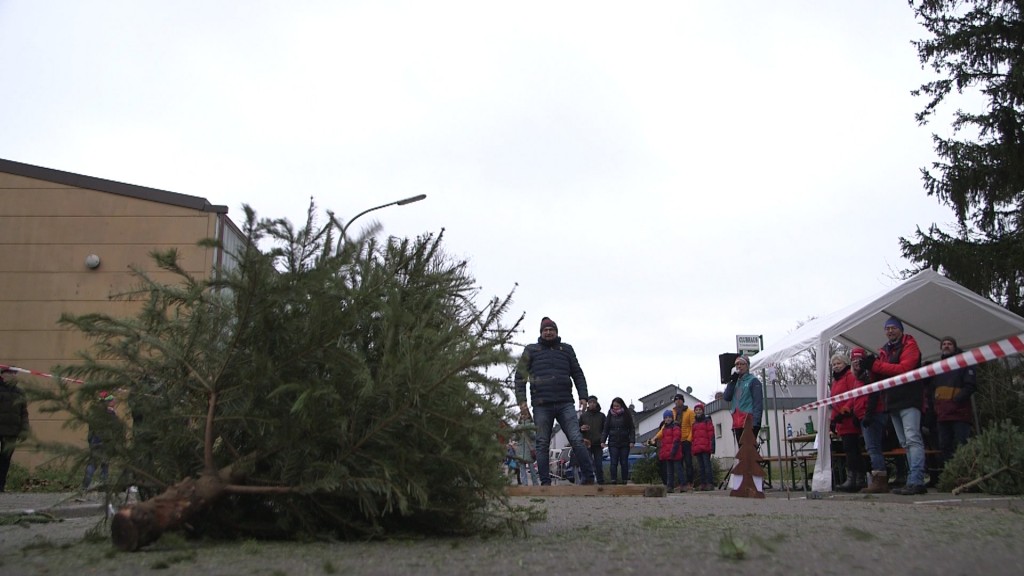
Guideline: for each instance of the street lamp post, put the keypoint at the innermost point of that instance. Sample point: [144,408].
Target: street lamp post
[401,202]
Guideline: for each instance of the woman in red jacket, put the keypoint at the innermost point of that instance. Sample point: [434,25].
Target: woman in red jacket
[846,417]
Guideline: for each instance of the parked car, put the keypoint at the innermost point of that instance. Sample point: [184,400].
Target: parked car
[636,453]
[565,465]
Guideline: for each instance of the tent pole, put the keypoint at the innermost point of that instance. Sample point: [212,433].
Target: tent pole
[778,431]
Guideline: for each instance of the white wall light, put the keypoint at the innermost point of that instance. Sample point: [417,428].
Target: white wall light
[92,261]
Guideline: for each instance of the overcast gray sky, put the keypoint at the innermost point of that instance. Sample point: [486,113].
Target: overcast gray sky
[657,177]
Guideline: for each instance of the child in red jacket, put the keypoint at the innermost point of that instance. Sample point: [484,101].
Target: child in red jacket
[670,451]
[703,447]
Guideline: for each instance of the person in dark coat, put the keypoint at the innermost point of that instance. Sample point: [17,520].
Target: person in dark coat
[951,394]
[552,369]
[619,436]
[104,428]
[13,423]
[592,426]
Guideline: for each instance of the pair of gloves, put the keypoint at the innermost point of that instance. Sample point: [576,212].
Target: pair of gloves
[837,418]
[840,416]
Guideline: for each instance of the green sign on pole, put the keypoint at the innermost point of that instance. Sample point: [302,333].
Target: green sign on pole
[748,344]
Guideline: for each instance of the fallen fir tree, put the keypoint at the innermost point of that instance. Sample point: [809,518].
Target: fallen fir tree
[322,388]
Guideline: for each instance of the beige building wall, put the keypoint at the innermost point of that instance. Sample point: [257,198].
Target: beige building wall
[48,229]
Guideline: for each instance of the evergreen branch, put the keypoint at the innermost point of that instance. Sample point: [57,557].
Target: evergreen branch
[208,435]
[247,489]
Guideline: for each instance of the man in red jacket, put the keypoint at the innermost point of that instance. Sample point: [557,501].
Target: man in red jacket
[901,354]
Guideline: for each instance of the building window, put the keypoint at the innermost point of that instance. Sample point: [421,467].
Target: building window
[718,430]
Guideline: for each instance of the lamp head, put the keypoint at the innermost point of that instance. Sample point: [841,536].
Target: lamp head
[411,199]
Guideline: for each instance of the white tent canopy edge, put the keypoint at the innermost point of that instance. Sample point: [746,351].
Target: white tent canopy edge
[930,306]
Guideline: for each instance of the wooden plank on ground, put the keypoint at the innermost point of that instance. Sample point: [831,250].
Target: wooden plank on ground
[648,490]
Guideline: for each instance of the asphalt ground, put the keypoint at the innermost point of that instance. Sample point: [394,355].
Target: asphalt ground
[787,533]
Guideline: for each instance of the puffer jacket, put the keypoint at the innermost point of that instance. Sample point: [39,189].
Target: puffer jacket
[670,447]
[686,419]
[703,436]
[848,413]
[895,359]
[594,419]
[552,368]
[618,431]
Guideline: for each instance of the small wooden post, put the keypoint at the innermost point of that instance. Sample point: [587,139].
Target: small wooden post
[746,477]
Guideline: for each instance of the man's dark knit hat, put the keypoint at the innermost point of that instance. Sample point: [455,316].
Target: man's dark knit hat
[894,321]
[546,322]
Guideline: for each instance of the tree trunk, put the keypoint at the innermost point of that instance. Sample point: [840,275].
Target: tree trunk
[137,525]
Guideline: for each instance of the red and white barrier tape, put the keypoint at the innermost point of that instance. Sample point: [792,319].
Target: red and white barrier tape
[37,373]
[980,355]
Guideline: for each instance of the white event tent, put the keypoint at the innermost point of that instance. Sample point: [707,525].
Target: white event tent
[930,306]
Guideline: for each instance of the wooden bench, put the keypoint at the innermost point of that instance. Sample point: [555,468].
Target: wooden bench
[794,462]
[890,456]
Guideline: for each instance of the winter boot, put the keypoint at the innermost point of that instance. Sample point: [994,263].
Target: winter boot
[879,483]
[859,481]
[851,483]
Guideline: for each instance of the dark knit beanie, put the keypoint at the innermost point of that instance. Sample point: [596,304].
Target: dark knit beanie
[546,322]
[894,321]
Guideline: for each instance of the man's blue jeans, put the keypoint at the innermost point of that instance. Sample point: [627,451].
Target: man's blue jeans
[874,435]
[952,435]
[687,477]
[544,417]
[907,423]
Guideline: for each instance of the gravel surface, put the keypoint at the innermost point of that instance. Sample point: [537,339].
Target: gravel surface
[705,532]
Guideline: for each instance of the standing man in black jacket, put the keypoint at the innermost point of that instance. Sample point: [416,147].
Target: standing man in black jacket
[13,423]
[552,369]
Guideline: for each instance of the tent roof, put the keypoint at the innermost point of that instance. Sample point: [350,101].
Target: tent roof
[930,306]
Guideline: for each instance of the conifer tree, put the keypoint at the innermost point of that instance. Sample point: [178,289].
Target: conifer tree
[977,46]
[323,387]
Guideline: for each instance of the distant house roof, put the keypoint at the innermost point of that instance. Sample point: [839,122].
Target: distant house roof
[662,398]
[110,186]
